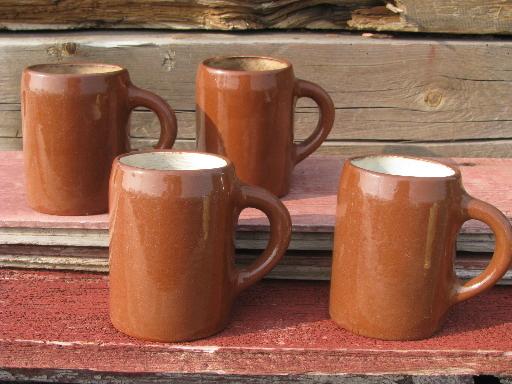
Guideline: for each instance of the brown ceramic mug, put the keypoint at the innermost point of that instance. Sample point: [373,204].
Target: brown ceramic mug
[245,107]
[394,247]
[173,217]
[75,122]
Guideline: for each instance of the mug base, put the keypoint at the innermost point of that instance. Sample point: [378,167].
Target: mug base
[68,212]
[396,336]
[173,339]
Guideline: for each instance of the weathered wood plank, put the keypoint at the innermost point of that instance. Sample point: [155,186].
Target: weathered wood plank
[296,265]
[56,320]
[484,148]
[476,148]
[144,124]
[173,14]
[437,16]
[452,16]
[96,377]
[312,206]
[469,240]
[445,94]
[457,16]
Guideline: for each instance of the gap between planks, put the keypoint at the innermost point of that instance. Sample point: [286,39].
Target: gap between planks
[295,265]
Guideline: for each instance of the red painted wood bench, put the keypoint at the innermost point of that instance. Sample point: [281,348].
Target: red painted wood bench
[55,326]
[312,206]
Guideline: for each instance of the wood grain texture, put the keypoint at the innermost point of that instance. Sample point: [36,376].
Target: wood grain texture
[443,97]
[457,16]
[311,203]
[176,14]
[474,238]
[59,321]
[88,376]
[296,265]
[438,16]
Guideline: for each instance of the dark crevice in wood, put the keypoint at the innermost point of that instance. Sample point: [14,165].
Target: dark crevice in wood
[486,379]
[477,80]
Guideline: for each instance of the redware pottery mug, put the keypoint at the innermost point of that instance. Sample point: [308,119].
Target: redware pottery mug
[394,246]
[75,122]
[245,107]
[172,221]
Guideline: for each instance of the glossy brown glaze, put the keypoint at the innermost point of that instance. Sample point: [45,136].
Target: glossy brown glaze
[394,247]
[245,108]
[172,272]
[75,122]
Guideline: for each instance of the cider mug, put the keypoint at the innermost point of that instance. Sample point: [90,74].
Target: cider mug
[245,107]
[397,222]
[75,122]
[173,217]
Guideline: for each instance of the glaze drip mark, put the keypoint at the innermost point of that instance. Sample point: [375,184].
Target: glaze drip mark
[431,234]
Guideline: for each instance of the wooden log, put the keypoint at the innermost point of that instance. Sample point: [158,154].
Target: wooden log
[452,16]
[173,14]
[437,16]
[55,322]
[457,16]
[296,265]
[421,96]
[311,203]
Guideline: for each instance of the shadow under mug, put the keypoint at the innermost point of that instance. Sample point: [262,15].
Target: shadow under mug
[173,217]
[75,122]
[245,111]
[397,222]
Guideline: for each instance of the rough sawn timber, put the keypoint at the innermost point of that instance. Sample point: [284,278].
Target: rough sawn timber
[55,327]
[175,14]
[295,265]
[424,96]
[437,16]
[311,203]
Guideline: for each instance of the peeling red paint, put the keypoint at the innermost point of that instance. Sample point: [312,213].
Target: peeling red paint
[312,205]
[60,320]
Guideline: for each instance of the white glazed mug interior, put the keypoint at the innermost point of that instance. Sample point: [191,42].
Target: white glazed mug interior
[246,63]
[75,68]
[403,166]
[173,161]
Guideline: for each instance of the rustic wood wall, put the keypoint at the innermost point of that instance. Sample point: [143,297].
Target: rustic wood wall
[425,95]
[428,96]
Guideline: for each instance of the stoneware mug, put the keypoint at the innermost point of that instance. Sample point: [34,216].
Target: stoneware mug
[245,107]
[173,217]
[397,222]
[75,122]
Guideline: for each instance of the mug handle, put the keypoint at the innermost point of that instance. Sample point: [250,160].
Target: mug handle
[325,104]
[502,257]
[138,97]
[280,232]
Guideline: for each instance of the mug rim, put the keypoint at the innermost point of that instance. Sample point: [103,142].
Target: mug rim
[228,164]
[205,63]
[455,175]
[33,69]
